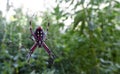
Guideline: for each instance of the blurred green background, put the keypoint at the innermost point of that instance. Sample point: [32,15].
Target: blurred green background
[90,44]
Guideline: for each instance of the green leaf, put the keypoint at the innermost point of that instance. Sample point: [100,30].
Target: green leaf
[80,16]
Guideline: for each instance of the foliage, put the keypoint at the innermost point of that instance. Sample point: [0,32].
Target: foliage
[89,45]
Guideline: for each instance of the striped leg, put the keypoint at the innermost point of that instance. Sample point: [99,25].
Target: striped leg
[31,51]
[48,50]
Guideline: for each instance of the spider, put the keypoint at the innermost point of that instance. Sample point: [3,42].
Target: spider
[39,41]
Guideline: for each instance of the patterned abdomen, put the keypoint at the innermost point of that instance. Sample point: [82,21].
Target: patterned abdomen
[39,34]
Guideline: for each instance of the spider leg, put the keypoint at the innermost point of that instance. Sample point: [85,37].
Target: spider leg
[31,31]
[48,50]
[51,55]
[31,51]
